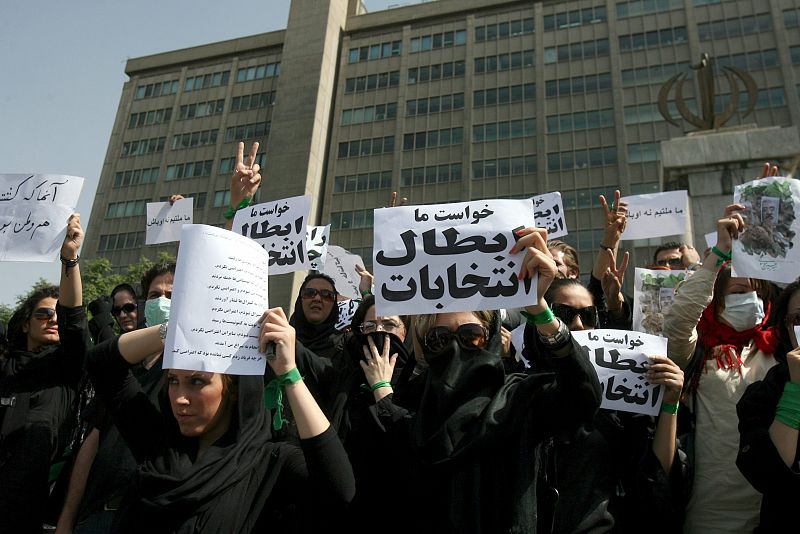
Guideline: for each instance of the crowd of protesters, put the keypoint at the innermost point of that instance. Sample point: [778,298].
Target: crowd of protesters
[425,423]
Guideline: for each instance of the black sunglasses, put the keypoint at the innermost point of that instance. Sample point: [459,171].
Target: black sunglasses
[44,314]
[468,336]
[567,313]
[672,262]
[325,294]
[127,308]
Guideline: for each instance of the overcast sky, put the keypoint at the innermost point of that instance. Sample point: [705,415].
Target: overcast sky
[63,67]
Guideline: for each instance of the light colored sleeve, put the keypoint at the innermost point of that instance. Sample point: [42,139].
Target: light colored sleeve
[680,323]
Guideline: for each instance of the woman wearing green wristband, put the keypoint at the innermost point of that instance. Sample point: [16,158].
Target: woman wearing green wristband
[769,422]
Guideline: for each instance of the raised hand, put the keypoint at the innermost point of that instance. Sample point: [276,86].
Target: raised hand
[665,372]
[616,219]
[394,202]
[769,170]
[174,198]
[729,227]
[377,366]
[246,175]
[365,284]
[537,259]
[73,238]
[612,280]
[275,328]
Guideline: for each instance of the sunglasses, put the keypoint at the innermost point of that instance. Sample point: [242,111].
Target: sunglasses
[567,313]
[324,294]
[468,336]
[128,308]
[672,262]
[44,314]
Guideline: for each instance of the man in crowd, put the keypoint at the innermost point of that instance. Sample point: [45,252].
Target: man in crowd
[676,256]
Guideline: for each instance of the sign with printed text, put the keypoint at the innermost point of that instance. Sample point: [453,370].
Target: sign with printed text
[165,220]
[279,227]
[656,215]
[548,212]
[34,209]
[340,265]
[653,293]
[317,238]
[450,257]
[230,287]
[620,359]
[769,247]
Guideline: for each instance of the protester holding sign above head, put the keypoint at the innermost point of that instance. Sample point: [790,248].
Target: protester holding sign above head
[47,341]
[717,331]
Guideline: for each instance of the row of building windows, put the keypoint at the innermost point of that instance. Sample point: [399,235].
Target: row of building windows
[366,147]
[757,59]
[513,60]
[120,241]
[247,131]
[204,81]
[585,197]
[433,138]
[363,115]
[432,174]
[576,85]
[194,139]
[226,165]
[438,40]
[492,168]
[189,170]
[254,101]
[575,18]
[580,120]
[201,109]
[734,27]
[642,113]
[152,90]
[435,104]
[362,182]
[579,159]
[129,208]
[643,152]
[500,131]
[441,71]
[575,51]
[652,39]
[502,30]
[150,118]
[370,82]
[376,51]
[504,95]
[140,147]
[633,8]
[652,74]
[268,70]
[344,220]
[136,177]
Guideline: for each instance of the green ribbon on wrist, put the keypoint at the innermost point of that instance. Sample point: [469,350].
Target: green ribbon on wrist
[231,211]
[545,317]
[788,410]
[670,408]
[376,385]
[722,256]
[273,395]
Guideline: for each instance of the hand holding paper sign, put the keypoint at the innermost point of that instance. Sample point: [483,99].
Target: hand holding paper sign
[728,228]
[663,371]
[365,284]
[70,288]
[73,237]
[276,330]
[537,261]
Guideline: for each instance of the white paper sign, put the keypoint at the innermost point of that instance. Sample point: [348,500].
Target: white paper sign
[34,209]
[711,239]
[450,257]
[347,308]
[620,359]
[769,247]
[165,220]
[549,213]
[518,342]
[216,303]
[653,293]
[280,227]
[797,336]
[317,238]
[656,215]
[340,265]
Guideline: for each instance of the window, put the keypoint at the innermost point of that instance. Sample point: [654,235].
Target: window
[791,18]
[433,139]
[150,118]
[143,146]
[499,131]
[380,112]
[221,199]
[440,71]
[204,81]
[136,177]
[650,113]
[188,170]
[652,75]
[438,40]
[582,120]
[201,109]
[435,104]
[246,131]
[734,27]
[794,53]
[346,220]
[362,182]
[575,18]
[226,165]
[110,242]
[366,147]
[372,81]
[200,199]
[268,70]
[493,168]
[579,159]
[432,174]
[130,208]
[514,60]
[757,59]
[652,39]
[194,139]
[504,95]
[153,90]
[575,51]
[376,51]
[578,85]
[643,152]
[254,101]
[633,8]
[503,30]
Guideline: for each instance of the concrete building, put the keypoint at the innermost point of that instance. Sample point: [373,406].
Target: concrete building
[442,101]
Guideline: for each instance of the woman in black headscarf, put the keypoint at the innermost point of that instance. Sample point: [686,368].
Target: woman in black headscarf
[206,462]
[315,316]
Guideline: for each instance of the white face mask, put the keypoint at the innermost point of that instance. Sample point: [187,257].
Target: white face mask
[743,311]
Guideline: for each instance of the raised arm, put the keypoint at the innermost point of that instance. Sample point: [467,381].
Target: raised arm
[616,219]
[70,289]
[245,181]
[538,260]
[665,372]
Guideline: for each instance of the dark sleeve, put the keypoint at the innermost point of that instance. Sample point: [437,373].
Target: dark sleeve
[138,420]
[102,327]
[758,459]
[74,341]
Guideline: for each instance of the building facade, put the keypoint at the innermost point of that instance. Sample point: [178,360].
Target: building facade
[441,101]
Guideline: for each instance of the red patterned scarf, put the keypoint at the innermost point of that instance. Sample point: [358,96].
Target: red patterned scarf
[724,343]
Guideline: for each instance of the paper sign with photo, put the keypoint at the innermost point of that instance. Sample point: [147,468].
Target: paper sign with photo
[165,220]
[653,292]
[549,214]
[656,215]
[769,247]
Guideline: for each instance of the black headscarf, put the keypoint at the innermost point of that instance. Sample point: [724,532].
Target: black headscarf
[323,339]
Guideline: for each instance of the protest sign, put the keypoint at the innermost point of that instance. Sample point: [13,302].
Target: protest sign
[347,308]
[34,209]
[216,303]
[518,342]
[653,293]
[280,228]
[620,359]
[165,220]
[768,246]
[340,265]
[317,238]
[656,215]
[711,239]
[451,257]
[797,336]
[549,213]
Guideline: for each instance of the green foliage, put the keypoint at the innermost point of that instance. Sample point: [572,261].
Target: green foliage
[667,280]
[5,313]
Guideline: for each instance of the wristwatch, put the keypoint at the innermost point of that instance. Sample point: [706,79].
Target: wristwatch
[162,330]
[558,339]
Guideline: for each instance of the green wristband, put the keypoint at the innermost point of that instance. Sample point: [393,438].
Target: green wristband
[788,410]
[231,211]
[544,317]
[366,293]
[722,256]
[381,384]
[670,408]
[273,395]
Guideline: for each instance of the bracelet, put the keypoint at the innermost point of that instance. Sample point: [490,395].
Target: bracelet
[788,410]
[69,264]
[232,211]
[544,317]
[670,408]
[273,395]
[365,293]
[381,384]
[604,247]
[722,256]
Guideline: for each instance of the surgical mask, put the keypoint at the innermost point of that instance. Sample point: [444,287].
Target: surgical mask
[743,311]
[156,311]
